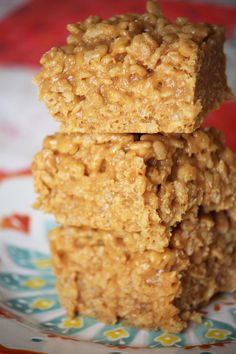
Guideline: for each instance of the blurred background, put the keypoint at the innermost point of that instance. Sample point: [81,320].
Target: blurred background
[28,28]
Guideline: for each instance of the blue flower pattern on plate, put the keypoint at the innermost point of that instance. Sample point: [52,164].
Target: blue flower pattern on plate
[115,335]
[65,326]
[34,304]
[211,331]
[29,259]
[19,282]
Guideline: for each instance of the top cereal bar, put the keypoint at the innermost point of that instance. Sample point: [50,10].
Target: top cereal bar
[135,73]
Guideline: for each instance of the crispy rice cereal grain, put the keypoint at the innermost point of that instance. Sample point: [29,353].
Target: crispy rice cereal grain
[135,74]
[101,274]
[141,184]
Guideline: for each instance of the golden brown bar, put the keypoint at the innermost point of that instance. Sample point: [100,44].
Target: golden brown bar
[104,275]
[142,184]
[135,73]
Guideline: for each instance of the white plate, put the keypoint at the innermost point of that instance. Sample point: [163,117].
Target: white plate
[31,318]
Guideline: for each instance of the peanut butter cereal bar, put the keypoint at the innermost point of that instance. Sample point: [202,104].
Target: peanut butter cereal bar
[101,274]
[134,183]
[135,73]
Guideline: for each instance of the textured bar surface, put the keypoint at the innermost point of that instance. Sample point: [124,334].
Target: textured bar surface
[104,275]
[135,74]
[142,184]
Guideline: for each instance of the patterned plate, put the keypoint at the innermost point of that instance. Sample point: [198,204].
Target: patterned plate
[30,313]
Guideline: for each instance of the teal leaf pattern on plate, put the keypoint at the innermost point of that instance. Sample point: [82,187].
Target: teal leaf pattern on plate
[65,326]
[34,304]
[115,335]
[29,259]
[233,313]
[212,331]
[20,282]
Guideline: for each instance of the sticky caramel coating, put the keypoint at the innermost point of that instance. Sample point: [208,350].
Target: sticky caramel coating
[100,274]
[143,184]
[135,73]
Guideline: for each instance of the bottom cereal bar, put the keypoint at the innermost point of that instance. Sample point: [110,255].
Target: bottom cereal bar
[106,276]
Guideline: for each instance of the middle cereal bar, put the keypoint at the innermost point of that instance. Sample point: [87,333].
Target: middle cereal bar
[140,184]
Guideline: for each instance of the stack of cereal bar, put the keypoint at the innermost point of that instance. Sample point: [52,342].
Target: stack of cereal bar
[144,196]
